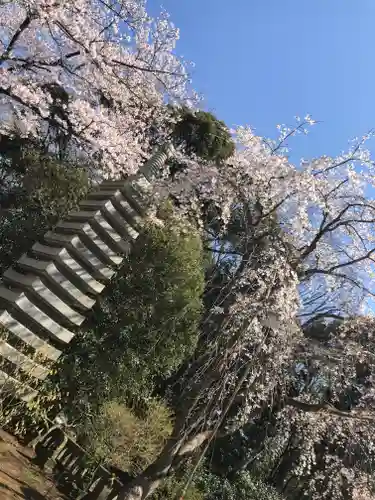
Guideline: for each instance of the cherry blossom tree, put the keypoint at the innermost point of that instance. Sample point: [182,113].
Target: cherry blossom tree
[93,75]
[320,442]
[303,251]
[91,78]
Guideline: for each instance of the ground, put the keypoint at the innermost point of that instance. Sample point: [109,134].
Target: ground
[19,478]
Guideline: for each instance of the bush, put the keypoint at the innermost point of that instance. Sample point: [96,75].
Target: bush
[144,326]
[40,190]
[171,490]
[243,487]
[130,442]
[203,134]
[173,486]
[207,486]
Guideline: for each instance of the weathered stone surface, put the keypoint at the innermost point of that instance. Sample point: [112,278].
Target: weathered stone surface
[137,191]
[84,230]
[81,252]
[119,223]
[103,193]
[141,187]
[152,169]
[128,212]
[101,226]
[71,293]
[70,266]
[37,287]
[100,486]
[24,363]
[69,462]
[18,300]
[111,185]
[22,332]
[138,196]
[23,391]
[48,445]
[115,217]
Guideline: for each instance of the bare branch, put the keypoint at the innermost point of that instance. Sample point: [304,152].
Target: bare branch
[363,415]
[23,26]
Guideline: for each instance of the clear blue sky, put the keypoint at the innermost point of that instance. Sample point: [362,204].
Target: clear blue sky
[261,62]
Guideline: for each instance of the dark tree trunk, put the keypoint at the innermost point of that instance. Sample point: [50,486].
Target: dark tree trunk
[174,453]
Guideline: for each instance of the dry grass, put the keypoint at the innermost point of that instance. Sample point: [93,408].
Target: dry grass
[127,441]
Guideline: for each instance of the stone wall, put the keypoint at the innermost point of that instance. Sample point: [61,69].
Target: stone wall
[45,296]
[69,464]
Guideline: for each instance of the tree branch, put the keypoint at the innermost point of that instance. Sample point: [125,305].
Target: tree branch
[325,407]
[22,27]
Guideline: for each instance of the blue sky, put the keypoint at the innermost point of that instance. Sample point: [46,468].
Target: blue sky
[261,62]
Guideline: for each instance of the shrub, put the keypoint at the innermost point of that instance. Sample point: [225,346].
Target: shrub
[203,134]
[173,486]
[242,487]
[144,326]
[171,490]
[40,190]
[130,442]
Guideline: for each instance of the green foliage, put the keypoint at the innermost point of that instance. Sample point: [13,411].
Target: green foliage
[174,485]
[243,487]
[53,188]
[203,135]
[35,191]
[144,327]
[204,485]
[171,490]
[119,437]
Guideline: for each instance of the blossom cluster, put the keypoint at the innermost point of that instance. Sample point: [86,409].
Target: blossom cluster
[113,66]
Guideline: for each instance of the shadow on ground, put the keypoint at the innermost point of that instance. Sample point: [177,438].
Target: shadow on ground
[19,478]
[31,494]
[26,493]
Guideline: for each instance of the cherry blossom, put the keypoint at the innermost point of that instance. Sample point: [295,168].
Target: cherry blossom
[305,254]
[115,64]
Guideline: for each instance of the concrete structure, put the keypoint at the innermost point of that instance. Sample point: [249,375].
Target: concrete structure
[44,297]
[70,462]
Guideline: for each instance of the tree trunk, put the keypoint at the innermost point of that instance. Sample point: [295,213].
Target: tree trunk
[171,457]
[142,488]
